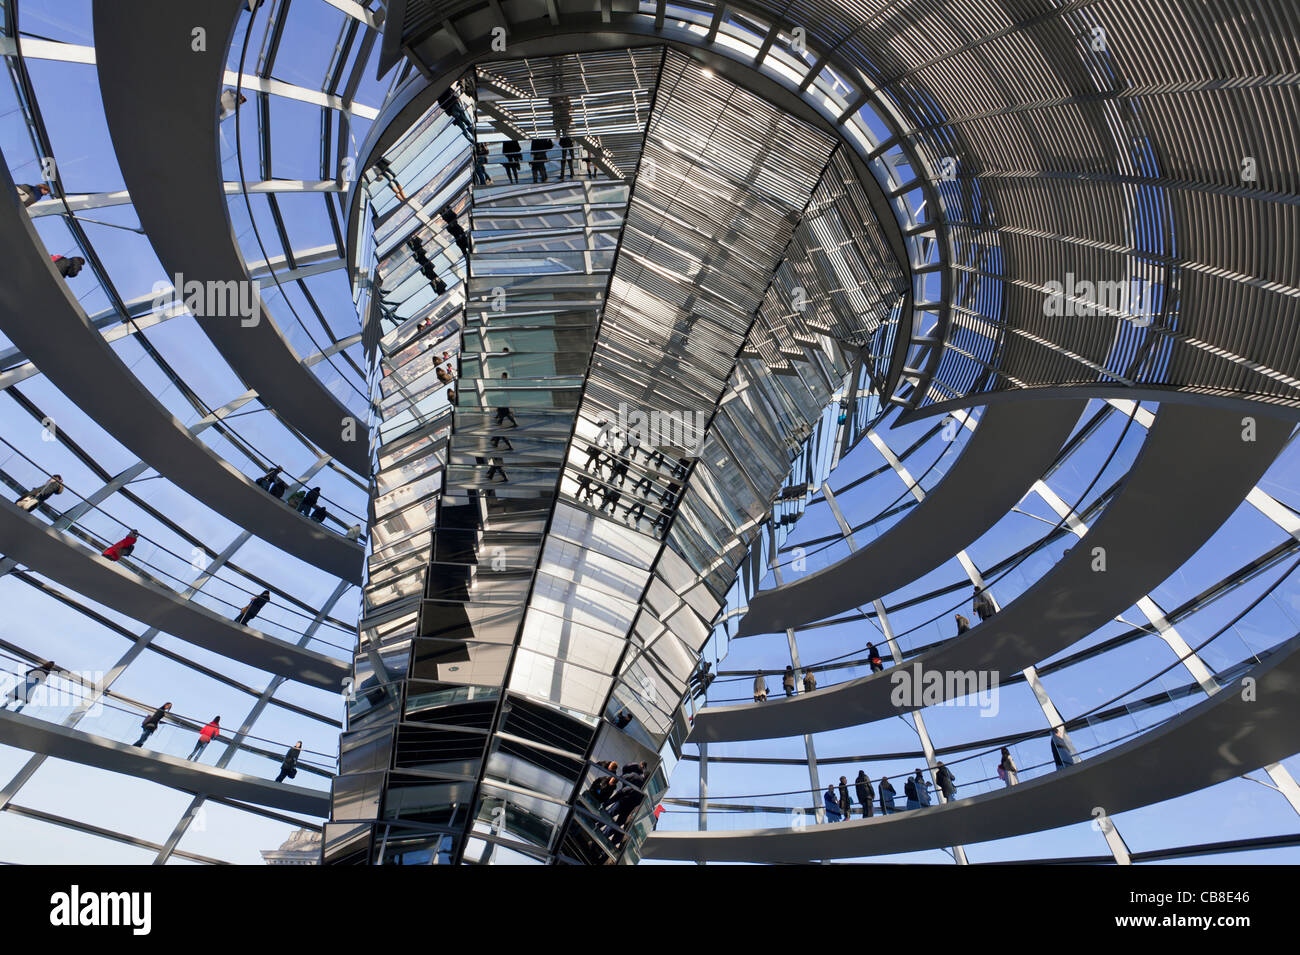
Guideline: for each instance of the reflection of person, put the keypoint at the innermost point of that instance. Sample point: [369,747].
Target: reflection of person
[230,101]
[510,156]
[22,695]
[1063,751]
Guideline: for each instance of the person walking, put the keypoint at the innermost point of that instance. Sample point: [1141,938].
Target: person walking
[37,496]
[481,178]
[866,795]
[1007,771]
[846,804]
[1063,751]
[832,803]
[962,624]
[206,736]
[504,411]
[760,688]
[253,607]
[787,681]
[886,796]
[150,723]
[809,681]
[289,765]
[982,604]
[122,548]
[873,658]
[33,678]
[947,782]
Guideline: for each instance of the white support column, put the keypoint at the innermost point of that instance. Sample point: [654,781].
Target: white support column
[814,777]
[702,823]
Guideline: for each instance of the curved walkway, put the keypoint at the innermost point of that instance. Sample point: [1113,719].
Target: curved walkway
[86,749]
[161,103]
[1193,471]
[40,315]
[1011,447]
[50,553]
[1220,738]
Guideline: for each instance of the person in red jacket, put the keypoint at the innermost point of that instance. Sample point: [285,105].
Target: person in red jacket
[124,547]
[206,736]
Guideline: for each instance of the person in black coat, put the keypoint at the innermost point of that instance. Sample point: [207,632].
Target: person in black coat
[846,804]
[289,765]
[69,268]
[567,157]
[309,501]
[253,607]
[541,147]
[269,478]
[510,156]
[947,782]
[866,794]
[982,604]
[151,723]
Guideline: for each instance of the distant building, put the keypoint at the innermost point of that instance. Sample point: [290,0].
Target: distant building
[301,848]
